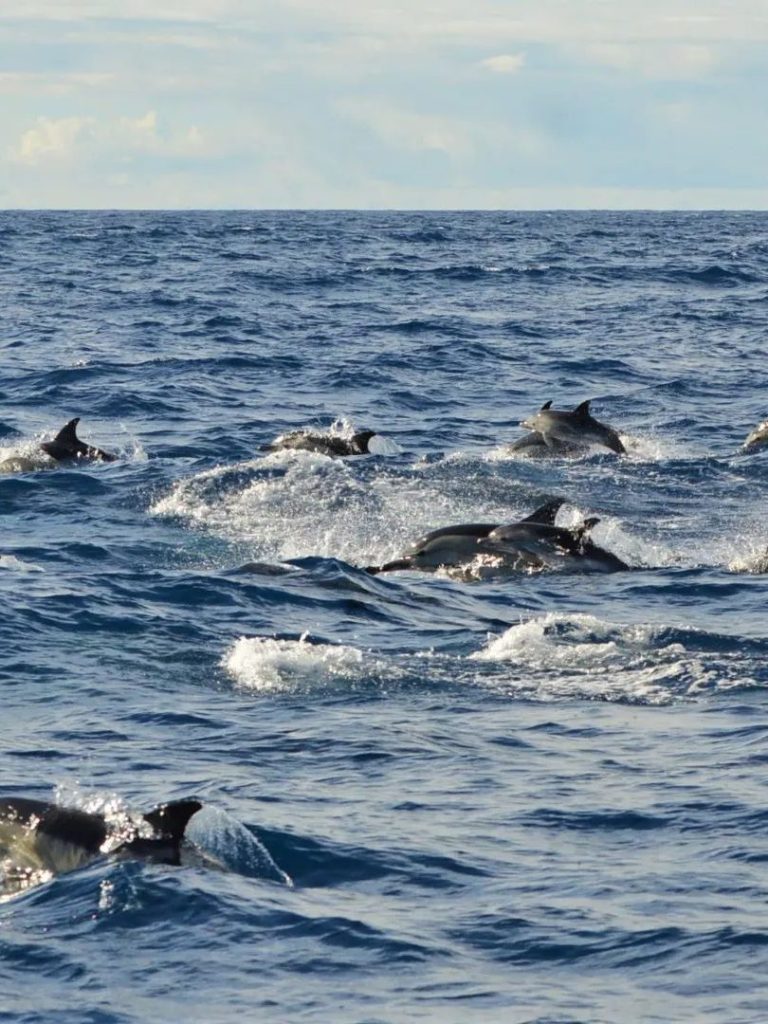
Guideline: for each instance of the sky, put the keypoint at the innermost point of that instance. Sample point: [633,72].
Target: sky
[375,104]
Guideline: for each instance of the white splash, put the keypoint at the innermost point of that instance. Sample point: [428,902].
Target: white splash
[14,564]
[268,665]
[291,504]
[579,656]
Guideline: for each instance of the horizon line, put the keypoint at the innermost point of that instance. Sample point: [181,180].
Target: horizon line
[382,209]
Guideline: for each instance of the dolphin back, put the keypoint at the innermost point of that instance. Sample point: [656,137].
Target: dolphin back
[73,826]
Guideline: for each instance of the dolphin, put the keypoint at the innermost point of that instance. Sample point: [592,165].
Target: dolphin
[548,545]
[324,444]
[577,427]
[534,446]
[757,438]
[37,836]
[457,545]
[67,445]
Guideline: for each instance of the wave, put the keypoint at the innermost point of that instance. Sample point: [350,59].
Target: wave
[552,657]
[269,665]
[14,564]
[559,656]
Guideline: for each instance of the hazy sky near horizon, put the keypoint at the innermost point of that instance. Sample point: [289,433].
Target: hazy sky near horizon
[373,104]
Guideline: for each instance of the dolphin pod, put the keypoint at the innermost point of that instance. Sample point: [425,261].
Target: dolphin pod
[40,836]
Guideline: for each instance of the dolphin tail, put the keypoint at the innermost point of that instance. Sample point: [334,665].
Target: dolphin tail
[546,513]
[400,563]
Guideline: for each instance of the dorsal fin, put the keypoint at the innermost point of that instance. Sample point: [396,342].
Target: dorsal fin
[583,409]
[546,405]
[361,439]
[546,514]
[170,820]
[68,433]
[584,528]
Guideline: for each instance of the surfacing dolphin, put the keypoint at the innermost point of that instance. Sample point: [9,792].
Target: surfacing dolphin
[323,444]
[534,446]
[453,546]
[548,545]
[578,427]
[757,438]
[67,445]
[37,836]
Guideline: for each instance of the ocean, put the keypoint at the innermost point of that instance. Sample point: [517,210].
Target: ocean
[427,797]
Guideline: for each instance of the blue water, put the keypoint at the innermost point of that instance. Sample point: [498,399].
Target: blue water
[531,799]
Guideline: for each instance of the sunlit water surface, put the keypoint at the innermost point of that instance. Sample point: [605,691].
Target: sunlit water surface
[538,798]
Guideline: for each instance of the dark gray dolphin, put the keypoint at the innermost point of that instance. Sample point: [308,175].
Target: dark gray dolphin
[548,545]
[757,438]
[534,446]
[56,839]
[323,444]
[457,545]
[578,427]
[67,445]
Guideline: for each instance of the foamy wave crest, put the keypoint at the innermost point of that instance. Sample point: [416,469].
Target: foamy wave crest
[290,504]
[754,560]
[15,564]
[268,665]
[559,656]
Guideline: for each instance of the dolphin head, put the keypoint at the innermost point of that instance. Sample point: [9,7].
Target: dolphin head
[539,421]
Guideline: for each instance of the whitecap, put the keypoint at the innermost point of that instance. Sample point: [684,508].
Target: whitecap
[14,564]
[269,665]
[558,656]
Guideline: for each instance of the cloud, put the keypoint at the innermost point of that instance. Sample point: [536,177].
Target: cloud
[654,60]
[505,63]
[407,129]
[90,138]
[25,82]
[51,139]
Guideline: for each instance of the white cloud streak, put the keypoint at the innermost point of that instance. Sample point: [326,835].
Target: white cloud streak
[504,63]
[86,139]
